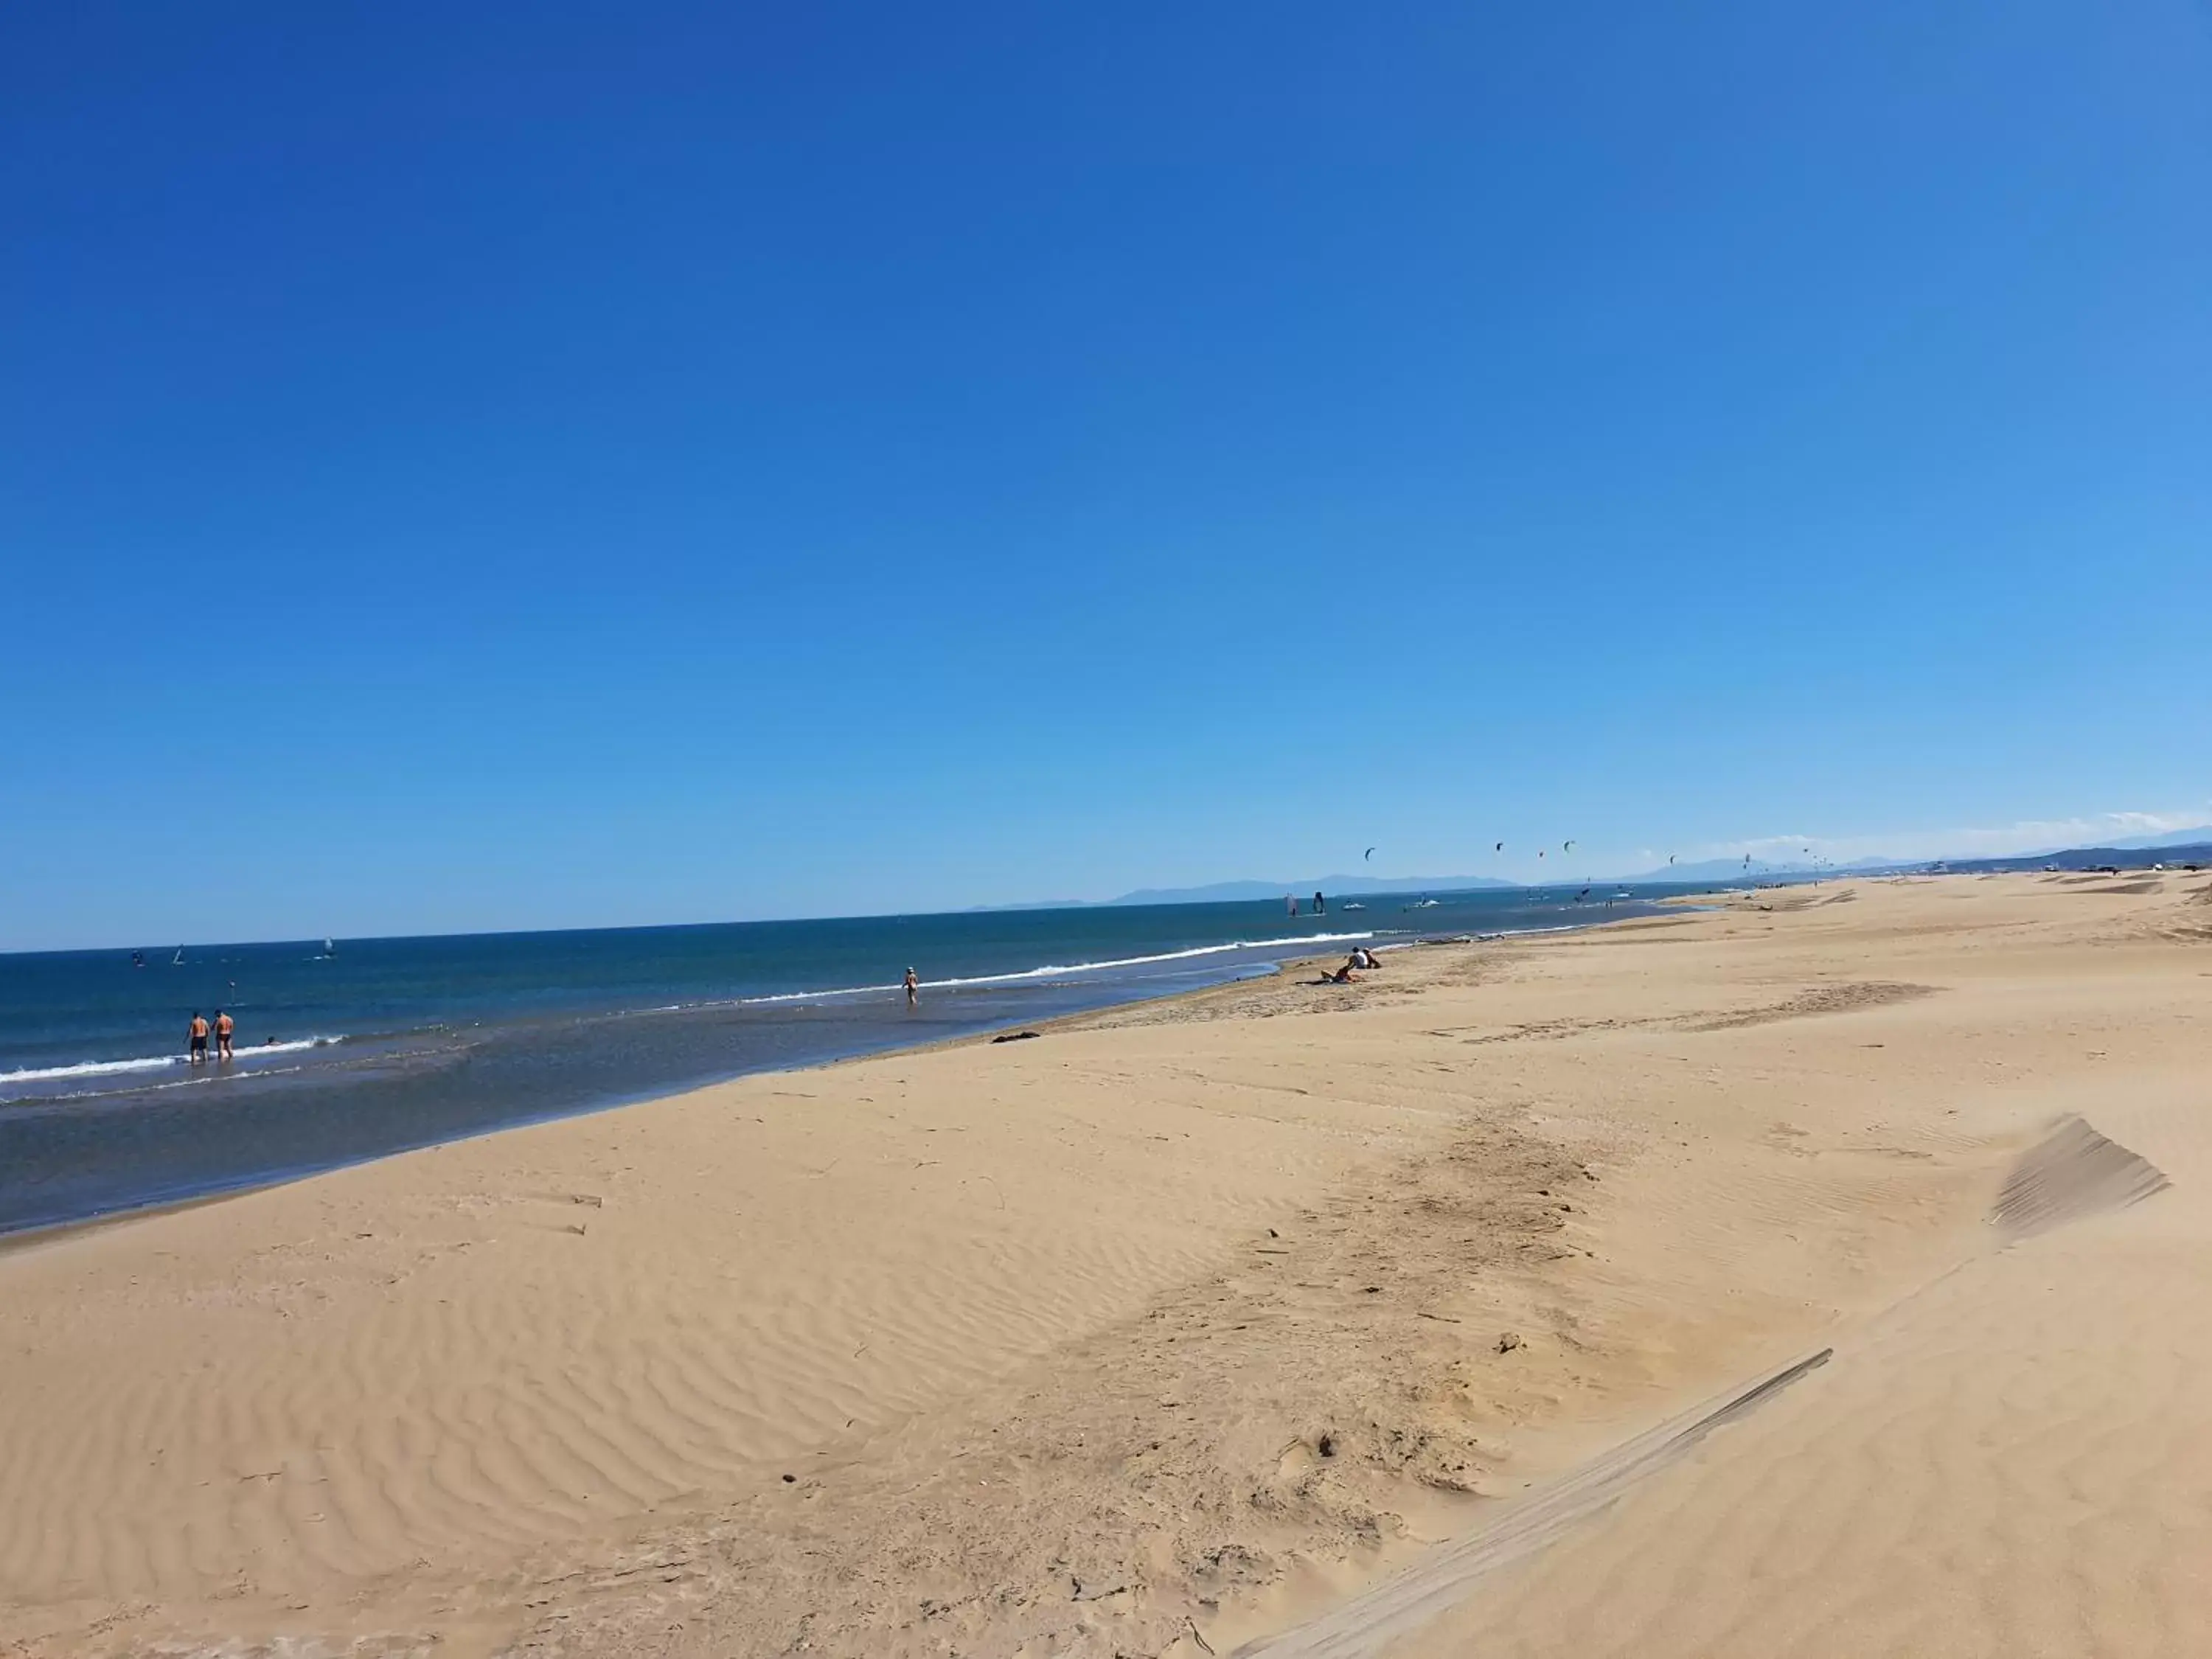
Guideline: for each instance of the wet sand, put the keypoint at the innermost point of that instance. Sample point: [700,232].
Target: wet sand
[1366,1319]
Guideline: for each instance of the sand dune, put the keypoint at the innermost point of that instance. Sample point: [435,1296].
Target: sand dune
[1178,1327]
[1925,1498]
[2012,1461]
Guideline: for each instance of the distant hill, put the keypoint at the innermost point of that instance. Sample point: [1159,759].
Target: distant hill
[2198,837]
[1227,892]
[2189,845]
[2136,851]
[2120,855]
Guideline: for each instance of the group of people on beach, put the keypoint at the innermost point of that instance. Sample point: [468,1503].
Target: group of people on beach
[202,1030]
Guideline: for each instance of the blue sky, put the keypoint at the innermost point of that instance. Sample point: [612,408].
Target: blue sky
[476,467]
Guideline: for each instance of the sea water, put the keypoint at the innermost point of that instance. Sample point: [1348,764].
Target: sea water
[375,1045]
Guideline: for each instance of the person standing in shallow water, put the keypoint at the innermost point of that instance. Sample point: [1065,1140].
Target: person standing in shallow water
[913,990]
[198,1038]
[224,1025]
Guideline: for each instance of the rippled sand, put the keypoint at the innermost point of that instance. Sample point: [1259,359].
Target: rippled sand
[1183,1327]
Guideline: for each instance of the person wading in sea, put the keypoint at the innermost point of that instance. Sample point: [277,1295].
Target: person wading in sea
[913,990]
[224,1025]
[199,1036]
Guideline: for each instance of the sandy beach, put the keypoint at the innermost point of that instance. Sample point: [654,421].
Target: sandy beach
[1384,1319]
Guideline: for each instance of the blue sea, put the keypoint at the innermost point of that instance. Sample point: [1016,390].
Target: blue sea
[354,1048]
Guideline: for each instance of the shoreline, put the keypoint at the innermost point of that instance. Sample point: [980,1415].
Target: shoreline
[1170,1330]
[28,1235]
[13,1238]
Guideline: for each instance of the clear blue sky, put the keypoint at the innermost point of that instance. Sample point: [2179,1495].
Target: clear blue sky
[471,466]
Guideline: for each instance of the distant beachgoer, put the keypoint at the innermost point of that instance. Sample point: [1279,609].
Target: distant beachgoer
[913,990]
[224,1025]
[199,1036]
[1294,903]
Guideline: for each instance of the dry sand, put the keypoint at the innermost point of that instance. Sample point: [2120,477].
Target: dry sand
[1181,1327]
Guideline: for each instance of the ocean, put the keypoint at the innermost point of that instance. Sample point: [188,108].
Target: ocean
[370,1047]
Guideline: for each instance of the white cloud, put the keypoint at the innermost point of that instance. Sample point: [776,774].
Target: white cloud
[1998,840]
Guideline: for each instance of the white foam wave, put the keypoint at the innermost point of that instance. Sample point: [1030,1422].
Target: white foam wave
[89,1068]
[149,1063]
[201,1076]
[1052,969]
[1164,956]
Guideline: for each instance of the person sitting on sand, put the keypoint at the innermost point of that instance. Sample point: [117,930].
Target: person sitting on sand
[1343,975]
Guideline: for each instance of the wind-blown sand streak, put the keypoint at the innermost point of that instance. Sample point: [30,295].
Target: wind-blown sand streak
[1441,1581]
[2013,1462]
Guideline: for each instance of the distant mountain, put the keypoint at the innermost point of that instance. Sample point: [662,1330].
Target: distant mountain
[1226,892]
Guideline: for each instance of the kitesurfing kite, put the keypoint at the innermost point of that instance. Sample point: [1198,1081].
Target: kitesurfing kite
[1566,846]
[1500,847]
[1371,855]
